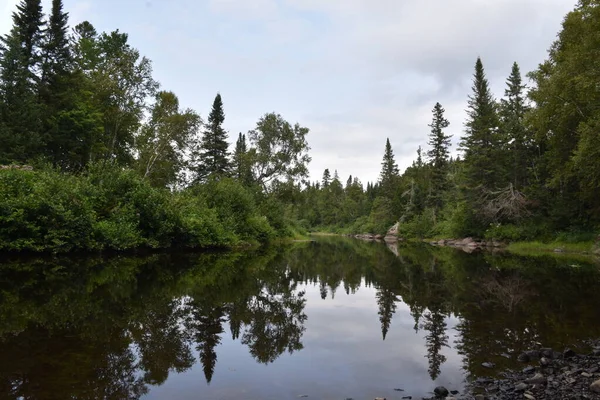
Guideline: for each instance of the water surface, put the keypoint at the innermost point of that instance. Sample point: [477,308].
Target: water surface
[330,319]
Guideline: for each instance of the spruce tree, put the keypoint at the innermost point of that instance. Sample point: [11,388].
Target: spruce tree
[481,141]
[20,138]
[214,157]
[56,54]
[326,178]
[389,171]
[513,110]
[240,165]
[438,155]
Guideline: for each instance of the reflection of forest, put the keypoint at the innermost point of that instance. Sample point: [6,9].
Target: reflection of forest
[110,327]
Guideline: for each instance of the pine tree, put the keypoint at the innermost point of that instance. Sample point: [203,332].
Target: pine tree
[513,110]
[56,54]
[438,155]
[389,171]
[20,118]
[214,157]
[326,178]
[481,141]
[240,165]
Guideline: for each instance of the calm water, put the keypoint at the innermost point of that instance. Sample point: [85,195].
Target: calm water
[331,319]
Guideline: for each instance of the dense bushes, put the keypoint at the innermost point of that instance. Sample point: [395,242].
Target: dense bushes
[112,208]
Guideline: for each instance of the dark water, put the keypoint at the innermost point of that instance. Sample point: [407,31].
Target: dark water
[331,319]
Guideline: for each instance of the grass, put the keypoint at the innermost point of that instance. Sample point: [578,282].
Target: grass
[540,247]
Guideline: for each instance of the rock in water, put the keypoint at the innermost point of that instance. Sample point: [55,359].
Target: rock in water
[488,365]
[595,387]
[441,391]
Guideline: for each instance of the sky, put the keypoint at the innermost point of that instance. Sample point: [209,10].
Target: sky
[355,72]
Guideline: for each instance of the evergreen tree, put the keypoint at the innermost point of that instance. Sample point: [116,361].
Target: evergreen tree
[326,180]
[214,157]
[481,141]
[513,111]
[20,116]
[438,155]
[241,165]
[56,54]
[389,171]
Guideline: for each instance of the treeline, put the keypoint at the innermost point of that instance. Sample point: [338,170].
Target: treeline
[83,109]
[529,165]
[117,162]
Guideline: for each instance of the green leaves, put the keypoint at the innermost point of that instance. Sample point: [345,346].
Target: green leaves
[278,150]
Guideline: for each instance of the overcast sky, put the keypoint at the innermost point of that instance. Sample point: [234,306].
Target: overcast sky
[353,71]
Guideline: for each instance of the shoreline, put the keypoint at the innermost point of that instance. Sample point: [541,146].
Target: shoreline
[469,245]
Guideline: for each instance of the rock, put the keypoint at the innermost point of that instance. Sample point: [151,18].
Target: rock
[537,379]
[393,231]
[407,397]
[529,370]
[529,396]
[531,355]
[399,390]
[454,392]
[479,397]
[380,398]
[586,375]
[595,387]
[378,237]
[568,353]
[521,387]
[559,250]
[441,391]
[488,365]
[544,361]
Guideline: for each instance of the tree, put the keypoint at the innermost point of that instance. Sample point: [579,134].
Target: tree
[241,165]
[120,81]
[278,150]
[165,141]
[326,180]
[389,171]
[20,116]
[512,115]
[481,141]
[56,54]
[213,157]
[565,121]
[438,155]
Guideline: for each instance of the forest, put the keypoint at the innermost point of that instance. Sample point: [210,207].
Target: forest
[95,154]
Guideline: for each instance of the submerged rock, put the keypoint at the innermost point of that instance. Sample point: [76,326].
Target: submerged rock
[441,391]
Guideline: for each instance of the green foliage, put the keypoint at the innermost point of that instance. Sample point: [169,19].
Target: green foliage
[279,150]
[111,208]
[213,157]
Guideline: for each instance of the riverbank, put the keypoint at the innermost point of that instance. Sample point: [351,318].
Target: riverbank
[586,249]
[112,209]
[547,374]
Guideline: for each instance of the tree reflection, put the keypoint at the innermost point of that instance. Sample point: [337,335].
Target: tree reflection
[436,339]
[110,328]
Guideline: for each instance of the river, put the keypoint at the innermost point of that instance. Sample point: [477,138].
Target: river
[333,318]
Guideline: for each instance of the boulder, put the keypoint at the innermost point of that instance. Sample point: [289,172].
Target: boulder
[595,387]
[393,231]
[441,391]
